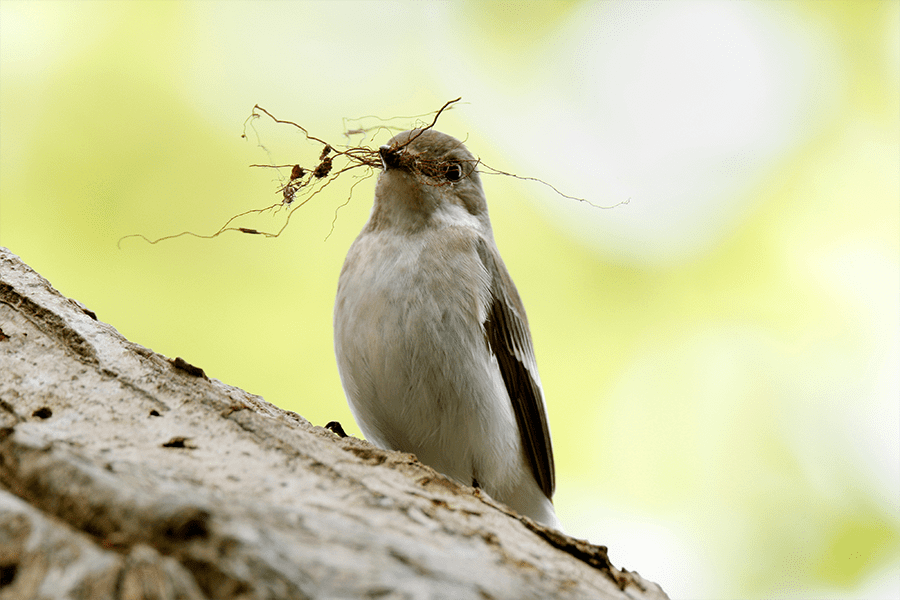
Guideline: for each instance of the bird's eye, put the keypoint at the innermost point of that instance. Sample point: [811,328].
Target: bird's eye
[453,172]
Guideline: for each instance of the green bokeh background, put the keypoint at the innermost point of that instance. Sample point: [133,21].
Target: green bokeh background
[724,396]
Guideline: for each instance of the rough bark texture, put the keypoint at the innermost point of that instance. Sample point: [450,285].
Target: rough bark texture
[124,474]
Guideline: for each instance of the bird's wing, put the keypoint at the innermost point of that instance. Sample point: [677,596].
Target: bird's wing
[506,333]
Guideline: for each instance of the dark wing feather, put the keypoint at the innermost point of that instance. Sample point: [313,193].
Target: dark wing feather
[507,335]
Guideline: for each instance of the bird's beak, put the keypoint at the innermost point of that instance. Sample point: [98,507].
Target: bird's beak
[390,159]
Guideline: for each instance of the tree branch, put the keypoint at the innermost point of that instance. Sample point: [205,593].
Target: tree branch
[126,475]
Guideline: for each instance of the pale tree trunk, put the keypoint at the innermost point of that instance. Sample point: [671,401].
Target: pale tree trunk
[124,474]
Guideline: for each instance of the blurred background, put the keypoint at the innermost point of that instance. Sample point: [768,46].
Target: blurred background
[720,354]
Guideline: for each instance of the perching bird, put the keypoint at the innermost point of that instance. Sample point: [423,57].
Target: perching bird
[430,334]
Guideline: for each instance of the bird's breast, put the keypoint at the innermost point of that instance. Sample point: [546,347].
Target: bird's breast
[409,337]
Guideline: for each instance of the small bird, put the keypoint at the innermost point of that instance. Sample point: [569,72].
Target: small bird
[431,338]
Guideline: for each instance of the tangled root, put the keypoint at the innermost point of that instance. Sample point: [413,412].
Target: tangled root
[306,182]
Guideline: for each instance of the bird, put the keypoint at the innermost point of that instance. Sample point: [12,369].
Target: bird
[431,338]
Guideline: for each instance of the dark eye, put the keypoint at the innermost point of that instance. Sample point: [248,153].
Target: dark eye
[453,172]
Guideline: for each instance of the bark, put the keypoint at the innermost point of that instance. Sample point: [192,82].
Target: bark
[124,474]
